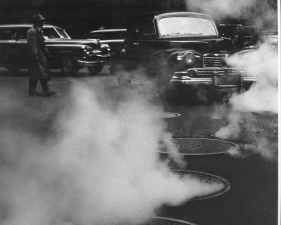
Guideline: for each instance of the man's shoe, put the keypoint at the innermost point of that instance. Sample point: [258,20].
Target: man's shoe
[49,93]
[34,93]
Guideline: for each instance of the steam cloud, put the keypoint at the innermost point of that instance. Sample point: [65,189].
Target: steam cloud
[219,8]
[102,167]
[264,14]
[262,97]
[261,64]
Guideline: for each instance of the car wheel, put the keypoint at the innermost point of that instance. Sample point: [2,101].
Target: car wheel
[95,70]
[68,68]
[13,69]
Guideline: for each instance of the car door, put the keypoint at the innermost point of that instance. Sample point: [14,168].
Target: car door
[141,42]
[7,46]
[147,42]
[21,47]
[131,45]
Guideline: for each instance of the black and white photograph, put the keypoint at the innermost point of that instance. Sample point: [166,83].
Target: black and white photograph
[139,112]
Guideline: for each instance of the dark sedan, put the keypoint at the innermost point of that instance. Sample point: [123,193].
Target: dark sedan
[178,49]
[113,37]
[67,54]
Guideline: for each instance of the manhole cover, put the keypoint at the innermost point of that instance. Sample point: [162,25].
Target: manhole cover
[166,221]
[202,146]
[166,115]
[217,185]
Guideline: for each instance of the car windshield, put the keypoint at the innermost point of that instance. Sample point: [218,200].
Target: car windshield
[55,33]
[174,26]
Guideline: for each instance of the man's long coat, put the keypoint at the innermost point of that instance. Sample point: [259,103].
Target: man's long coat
[37,55]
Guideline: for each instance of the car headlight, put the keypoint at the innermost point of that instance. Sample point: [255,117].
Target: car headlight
[189,58]
[106,46]
[87,48]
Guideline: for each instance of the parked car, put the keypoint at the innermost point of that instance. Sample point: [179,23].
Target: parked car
[178,49]
[68,54]
[113,37]
[268,36]
[242,36]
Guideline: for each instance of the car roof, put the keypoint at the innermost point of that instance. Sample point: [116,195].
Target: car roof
[163,14]
[26,25]
[108,30]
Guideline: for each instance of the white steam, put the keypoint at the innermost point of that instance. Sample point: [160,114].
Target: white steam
[261,64]
[104,167]
[262,12]
[262,97]
[218,8]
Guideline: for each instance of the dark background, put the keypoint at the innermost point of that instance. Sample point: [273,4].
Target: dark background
[79,17]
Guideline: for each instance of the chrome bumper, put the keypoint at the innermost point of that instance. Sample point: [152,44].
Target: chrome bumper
[98,61]
[213,77]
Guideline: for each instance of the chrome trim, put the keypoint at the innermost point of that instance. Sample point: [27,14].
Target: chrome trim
[91,63]
[216,60]
[181,78]
[249,79]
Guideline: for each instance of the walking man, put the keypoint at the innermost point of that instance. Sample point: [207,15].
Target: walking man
[37,59]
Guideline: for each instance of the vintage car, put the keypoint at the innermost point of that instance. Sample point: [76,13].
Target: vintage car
[179,49]
[67,54]
[270,37]
[241,36]
[113,37]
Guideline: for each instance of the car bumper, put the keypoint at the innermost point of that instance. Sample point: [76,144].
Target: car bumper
[96,61]
[212,77]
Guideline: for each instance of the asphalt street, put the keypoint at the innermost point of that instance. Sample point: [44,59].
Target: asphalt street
[252,174]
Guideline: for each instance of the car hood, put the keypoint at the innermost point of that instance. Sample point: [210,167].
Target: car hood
[94,43]
[213,44]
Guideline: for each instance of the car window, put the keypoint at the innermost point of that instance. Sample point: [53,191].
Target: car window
[227,31]
[62,33]
[174,26]
[97,36]
[133,30]
[22,33]
[7,34]
[50,33]
[117,35]
[55,33]
[147,30]
[246,31]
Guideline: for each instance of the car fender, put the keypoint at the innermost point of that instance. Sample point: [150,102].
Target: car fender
[170,55]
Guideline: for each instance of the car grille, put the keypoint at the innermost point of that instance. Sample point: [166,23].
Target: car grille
[213,60]
[220,72]
[234,72]
[209,72]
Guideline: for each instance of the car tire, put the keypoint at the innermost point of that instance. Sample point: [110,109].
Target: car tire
[67,67]
[95,70]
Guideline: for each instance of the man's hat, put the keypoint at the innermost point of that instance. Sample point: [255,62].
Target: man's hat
[38,17]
